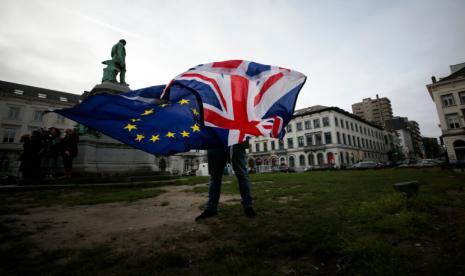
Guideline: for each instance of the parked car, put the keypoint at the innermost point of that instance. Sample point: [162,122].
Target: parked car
[283,168]
[426,163]
[365,165]
[189,173]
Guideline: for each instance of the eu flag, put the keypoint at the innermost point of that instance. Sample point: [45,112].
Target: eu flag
[138,118]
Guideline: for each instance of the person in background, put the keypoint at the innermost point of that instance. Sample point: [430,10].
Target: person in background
[217,159]
[51,151]
[69,150]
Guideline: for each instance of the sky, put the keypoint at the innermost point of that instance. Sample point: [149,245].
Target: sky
[349,50]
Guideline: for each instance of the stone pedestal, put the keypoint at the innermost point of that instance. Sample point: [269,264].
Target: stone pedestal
[109,87]
[106,156]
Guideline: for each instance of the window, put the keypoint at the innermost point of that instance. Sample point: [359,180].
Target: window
[308,124]
[338,135]
[318,139]
[302,160]
[289,128]
[344,139]
[291,161]
[60,119]
[328,138]
[273,146]
[453,121]
[290,143]
[347,124]
[298,126]
[351,126]
[350,141]
[358,141]
[300,141]
[18,92]
[462,97]
[447,100]
[13,113]
[316,123]
[281,144]
[325,121]
[353,141]
[363,142]
[63,99]
[265,147]
[356,127]
[342,123]
[42,96]
[336,121]
[309,140]
[38,116]
[9,135]
[257,147]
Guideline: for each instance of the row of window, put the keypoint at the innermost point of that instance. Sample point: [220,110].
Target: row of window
[308,124]
[360,142]
[321,159]
[316,139]
[449,99]
[356,128]
[14,114]
[40,95]
[315,123]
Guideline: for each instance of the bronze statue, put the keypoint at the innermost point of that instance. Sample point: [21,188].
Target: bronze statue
[117,64]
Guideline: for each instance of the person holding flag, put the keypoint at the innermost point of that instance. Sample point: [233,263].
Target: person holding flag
[215,106]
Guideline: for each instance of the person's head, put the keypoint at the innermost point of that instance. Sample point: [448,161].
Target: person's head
[123,41]
[54,131]
[69,131]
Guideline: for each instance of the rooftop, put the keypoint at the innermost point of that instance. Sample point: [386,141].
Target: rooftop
[320,108]
[37,92]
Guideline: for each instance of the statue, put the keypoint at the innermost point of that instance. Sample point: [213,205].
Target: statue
[117,64]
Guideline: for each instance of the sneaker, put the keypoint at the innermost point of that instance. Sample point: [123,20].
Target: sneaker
[206,214]
[249,212]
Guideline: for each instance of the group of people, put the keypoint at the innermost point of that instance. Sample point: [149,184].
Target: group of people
[42,151]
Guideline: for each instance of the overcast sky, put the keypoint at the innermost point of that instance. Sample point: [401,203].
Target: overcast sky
[349,50]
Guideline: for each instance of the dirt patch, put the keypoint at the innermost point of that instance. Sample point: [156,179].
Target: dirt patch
[141,223]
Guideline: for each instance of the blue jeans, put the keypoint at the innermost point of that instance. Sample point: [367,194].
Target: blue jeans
[217,159]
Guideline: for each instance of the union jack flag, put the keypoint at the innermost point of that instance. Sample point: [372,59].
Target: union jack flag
[244,98]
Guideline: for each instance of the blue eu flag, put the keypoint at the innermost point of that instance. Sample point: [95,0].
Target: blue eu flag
[138,118]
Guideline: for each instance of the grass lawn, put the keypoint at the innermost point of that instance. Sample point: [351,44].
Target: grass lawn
[315,223]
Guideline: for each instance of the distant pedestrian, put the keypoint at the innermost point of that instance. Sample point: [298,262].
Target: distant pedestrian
[69,150]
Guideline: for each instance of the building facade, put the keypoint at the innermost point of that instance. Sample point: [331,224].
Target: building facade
[321,136]
[449,96]
[23,111]
[374,110]
[409,136]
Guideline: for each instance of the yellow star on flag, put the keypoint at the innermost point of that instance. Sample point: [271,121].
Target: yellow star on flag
[130,127]
[170,134]
[135,120]
[147,112]
[155,138]
[184,133]
[139,137]
[183,101]
[195,128]
[163,105]
[195,111]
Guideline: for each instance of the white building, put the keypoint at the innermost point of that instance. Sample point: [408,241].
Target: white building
[321,136]
[449,96]
[22,111]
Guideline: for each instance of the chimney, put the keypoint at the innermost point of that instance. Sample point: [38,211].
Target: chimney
[433,78]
